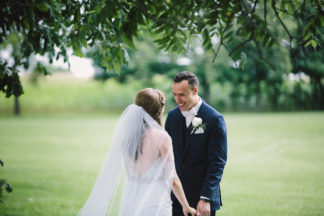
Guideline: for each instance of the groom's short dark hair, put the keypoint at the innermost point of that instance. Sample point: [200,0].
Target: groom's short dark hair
[186,75]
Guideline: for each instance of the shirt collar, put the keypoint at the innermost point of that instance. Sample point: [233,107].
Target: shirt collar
[194,109]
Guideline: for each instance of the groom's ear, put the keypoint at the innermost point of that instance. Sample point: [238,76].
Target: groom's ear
[195,90]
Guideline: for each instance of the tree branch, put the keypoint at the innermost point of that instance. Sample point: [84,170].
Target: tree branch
[254,6]
[261,56]
[265,11]
[228,50]
[284,11]
[295,15]
[252,38]
[239,46]
[319,10]
[226,47]
[219,46]
[318,5]
[282,23]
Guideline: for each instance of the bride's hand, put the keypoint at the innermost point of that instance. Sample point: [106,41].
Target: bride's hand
[189,210]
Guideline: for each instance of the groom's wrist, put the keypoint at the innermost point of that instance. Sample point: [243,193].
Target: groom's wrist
[206,199]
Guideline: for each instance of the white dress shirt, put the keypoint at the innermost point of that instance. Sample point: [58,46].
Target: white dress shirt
[190,114]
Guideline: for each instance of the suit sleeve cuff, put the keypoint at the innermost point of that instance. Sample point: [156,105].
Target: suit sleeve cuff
[205,198]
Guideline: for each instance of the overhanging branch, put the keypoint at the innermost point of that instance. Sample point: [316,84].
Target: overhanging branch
[217,51]
[265,11]
[261,56]
[282,23]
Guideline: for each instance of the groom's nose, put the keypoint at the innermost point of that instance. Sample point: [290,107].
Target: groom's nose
[176,98]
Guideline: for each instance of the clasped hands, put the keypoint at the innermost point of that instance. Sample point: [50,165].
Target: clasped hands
[203,209]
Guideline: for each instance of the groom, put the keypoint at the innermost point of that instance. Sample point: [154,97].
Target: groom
[199,141]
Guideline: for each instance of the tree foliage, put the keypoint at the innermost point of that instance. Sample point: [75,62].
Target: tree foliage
[49,27]
[4,185]
[307,55]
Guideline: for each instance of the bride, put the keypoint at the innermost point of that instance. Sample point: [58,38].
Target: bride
[143,150]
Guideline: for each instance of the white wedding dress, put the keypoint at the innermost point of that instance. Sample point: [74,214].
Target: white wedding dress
[158,201]
[136,149]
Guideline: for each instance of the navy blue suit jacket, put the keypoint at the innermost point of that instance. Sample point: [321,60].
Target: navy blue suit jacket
[199,158]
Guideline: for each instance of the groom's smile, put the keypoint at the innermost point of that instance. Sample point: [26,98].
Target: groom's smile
[185,96]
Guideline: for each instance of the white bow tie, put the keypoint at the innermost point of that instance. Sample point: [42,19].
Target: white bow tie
[189,113]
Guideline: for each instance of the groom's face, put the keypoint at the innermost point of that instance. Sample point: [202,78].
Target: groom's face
[184,96]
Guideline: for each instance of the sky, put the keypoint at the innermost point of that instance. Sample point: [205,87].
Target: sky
[79,67]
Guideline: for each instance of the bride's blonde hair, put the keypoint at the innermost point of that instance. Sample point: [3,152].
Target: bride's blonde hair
[152,100]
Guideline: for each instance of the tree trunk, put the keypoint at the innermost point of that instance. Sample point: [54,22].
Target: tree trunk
[203,81]
[321,93]
[206,88]
[258,101]
[16,106]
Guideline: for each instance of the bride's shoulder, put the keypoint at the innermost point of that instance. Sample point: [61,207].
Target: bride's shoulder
[158,134]
[160,139]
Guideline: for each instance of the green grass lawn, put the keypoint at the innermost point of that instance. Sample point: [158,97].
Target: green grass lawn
[275,163]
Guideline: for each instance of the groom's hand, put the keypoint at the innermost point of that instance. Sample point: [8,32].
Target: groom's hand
[203,208]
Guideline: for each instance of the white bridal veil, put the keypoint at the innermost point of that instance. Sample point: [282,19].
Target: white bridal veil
[141,149]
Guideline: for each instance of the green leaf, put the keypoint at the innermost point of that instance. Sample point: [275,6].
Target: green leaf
[107,66]
[125,56]
[26,24]
[322,20]
[159,29]
[307,28]
[8,187]
[206,39]
[163,41]
[228,34]
[69,43]
[290,9]
[120,55]
[271,42]
[314,43]
[77,48]
[93,11]
[129,42]
[84,42]
[297,3]
[117,65]
[308,36]
[311,42]
[42,7]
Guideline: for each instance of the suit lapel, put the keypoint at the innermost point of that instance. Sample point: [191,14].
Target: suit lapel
[181,124]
